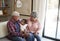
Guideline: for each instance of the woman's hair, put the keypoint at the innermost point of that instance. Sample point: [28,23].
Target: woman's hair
[34,14]
[25,21]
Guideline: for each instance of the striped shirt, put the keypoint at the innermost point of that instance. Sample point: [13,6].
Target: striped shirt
[12,28]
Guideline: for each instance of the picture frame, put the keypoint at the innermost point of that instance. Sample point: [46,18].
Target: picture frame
[27,7]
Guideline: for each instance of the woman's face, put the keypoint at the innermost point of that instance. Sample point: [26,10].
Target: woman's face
[32,18]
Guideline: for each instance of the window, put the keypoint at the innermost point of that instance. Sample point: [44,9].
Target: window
[52,23]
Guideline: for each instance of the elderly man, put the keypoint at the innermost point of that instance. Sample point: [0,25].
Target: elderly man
[14,28]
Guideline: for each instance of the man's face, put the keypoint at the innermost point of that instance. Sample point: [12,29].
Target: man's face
[16,18]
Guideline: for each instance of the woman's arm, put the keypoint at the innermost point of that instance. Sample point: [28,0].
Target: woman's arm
[38,29]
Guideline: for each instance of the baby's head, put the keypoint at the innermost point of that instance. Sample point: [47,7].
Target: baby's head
[23,21]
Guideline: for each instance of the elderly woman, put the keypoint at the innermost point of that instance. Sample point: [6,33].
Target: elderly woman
[33,26]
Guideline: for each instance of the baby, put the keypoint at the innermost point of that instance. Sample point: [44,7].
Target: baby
[23,25]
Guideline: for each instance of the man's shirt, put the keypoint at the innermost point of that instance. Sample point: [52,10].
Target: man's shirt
[13,27]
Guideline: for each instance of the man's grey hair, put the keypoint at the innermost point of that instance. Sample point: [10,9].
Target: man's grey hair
[15,13]
[34,14]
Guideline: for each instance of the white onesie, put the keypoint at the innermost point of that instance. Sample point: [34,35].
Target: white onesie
[23,27]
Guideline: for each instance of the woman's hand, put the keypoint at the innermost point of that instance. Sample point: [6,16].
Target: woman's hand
[36,31]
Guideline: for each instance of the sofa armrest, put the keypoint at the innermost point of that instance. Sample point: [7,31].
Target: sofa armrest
[3,29]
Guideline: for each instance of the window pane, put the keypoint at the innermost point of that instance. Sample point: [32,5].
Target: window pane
[51,18]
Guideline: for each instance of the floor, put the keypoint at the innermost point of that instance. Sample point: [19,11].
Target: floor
[43,39]
[4,39]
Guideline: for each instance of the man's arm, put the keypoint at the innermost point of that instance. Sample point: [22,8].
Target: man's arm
[11,29]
